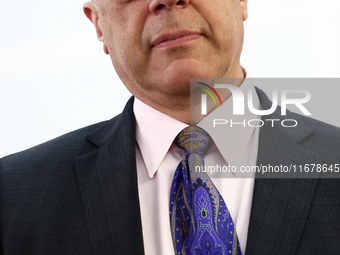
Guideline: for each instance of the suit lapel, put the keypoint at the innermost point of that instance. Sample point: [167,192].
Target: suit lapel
[107,180]
[280,206]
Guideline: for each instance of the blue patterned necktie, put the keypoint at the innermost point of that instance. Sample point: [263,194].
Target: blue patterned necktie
[200,221]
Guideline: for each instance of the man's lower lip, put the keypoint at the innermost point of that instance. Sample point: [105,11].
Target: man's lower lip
[177,42]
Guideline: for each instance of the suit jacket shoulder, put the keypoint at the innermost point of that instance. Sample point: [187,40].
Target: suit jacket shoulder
[52,201]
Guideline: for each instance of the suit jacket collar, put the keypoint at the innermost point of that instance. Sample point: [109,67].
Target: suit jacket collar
[107,180]
[280,206]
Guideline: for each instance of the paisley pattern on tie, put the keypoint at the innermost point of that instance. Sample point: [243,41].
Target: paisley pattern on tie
[199,218]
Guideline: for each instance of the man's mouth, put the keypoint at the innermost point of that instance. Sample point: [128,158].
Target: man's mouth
[176,39]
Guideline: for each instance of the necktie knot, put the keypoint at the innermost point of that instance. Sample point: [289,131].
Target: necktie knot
[193,139]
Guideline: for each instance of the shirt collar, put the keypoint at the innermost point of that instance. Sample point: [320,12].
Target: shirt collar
[232,141]
[155,133]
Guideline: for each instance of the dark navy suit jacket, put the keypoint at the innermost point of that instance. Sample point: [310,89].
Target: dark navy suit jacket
[78,194]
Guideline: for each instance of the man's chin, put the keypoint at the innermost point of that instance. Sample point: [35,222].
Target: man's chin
[181,72]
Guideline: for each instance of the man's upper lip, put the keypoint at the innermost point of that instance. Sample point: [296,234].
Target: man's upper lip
[172,36]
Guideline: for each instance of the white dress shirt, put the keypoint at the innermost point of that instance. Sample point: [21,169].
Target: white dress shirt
[157,159]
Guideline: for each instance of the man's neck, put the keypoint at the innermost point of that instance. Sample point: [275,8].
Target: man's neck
[187,108]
